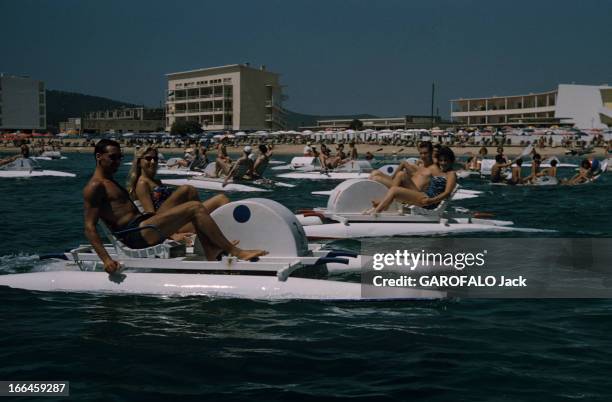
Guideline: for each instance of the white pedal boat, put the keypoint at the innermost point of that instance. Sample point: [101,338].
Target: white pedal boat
[309,168]
[204,181]
[553,181]
[343,218]
[22,168]
[170,269]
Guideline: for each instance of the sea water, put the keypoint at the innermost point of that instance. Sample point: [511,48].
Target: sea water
[120,347]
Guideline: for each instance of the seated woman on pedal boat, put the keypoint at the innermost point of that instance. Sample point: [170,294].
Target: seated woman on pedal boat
[440,187]
[156,197]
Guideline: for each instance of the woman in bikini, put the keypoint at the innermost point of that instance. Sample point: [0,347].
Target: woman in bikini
[154,196]
[440,187]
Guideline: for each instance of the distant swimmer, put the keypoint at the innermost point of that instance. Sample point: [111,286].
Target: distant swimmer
[105,199]
[241,168]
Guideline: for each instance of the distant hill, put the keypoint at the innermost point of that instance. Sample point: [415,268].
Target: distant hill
[62,105]
[295,120]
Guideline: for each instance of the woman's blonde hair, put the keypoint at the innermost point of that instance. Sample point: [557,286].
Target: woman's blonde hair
[135,170]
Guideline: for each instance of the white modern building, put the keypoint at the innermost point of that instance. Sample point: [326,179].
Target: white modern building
[22,103]
[233,97]
[584,106]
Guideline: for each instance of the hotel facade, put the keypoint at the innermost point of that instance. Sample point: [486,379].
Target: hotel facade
[23,104]
[233,97]
[584,106]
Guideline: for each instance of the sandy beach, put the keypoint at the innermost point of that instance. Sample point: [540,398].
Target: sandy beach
[296,150]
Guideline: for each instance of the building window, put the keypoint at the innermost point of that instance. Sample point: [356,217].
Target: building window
[41,110]
[41,86]
[41,98]
[42,122]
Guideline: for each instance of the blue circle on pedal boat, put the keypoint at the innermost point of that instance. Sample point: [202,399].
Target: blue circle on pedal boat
[389,169]
[242,213]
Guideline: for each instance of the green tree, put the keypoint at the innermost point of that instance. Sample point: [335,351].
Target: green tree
[186,127]
[356,124]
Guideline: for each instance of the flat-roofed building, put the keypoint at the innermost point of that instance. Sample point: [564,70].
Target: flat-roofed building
[585,106]
[378,123]
[22,103]
[233,97]
[134,120]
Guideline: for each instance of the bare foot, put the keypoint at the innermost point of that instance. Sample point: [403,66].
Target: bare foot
[375,203]
[213,253]
[367,211]
[247,254]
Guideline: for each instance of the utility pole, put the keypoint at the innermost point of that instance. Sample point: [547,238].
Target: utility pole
[433,89]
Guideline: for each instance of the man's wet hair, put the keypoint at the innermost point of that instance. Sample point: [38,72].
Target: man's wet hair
[426,144]
[447,153]
[263,149]
[553,163]
[499,158]
[585,164]
[519,162]
[537,156]
[102,144]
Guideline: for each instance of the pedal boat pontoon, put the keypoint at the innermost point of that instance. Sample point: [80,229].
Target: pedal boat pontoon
[172,269]
[343,217]
[25,167]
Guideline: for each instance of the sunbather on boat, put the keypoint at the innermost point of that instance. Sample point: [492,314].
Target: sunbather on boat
[516,173]
[156,197]
[583,175]
[535,169]
[496,169]
[551,171]
[223,161]
[241,168]
[262,161]
[105,199]
[440,187]
[24,153]
[409,175]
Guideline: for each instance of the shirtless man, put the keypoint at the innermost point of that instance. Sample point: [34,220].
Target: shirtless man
[516,173]
[105,199]
[535,169]
[242,167]
[496,169]
[261,163]
[551,171]
[409,175]
[25,154]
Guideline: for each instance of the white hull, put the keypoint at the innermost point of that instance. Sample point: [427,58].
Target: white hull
[324,176]
[390,229]
[177,172]
[227,286]
[461,194]
[34,173]
[213,184]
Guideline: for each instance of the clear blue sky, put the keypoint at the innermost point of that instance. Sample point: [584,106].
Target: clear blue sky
[335,56]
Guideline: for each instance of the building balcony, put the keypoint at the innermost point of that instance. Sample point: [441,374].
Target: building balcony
[502,112]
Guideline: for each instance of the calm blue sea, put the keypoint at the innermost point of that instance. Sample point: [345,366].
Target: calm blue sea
[126,348]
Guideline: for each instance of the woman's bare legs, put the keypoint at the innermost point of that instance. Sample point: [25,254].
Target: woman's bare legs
[382,178]
[403,194]
[210,235]
[188,193]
